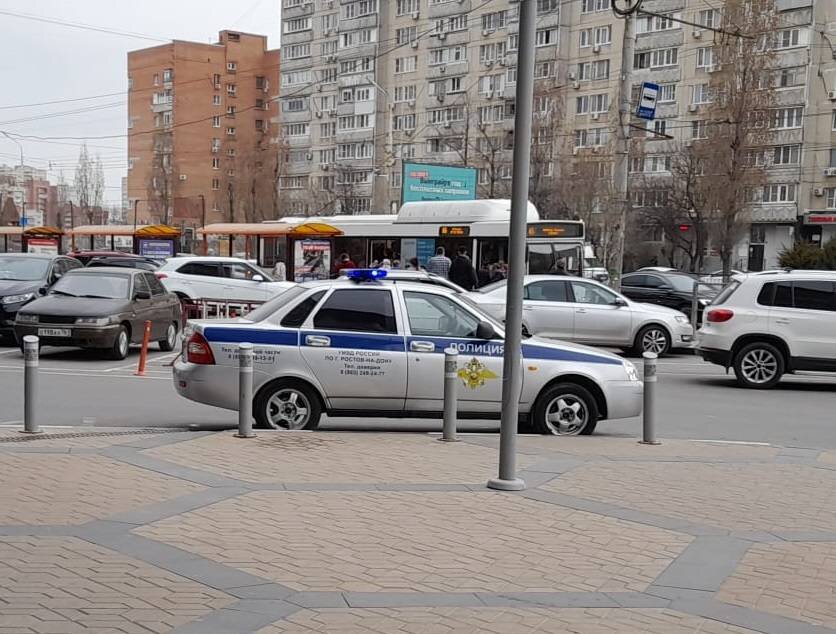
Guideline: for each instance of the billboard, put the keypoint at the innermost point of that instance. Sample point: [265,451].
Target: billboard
[425,181]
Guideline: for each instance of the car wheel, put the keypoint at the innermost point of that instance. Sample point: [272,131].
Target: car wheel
[654,339]
[287,404]
[121,345]
[167,344]
[565,409]
[759,365]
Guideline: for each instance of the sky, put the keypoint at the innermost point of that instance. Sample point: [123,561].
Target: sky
[47,62]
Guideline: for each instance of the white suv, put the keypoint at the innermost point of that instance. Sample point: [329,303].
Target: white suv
[767,324]
[222,278]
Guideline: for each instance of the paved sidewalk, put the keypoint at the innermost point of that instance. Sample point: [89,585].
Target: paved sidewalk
[160,531]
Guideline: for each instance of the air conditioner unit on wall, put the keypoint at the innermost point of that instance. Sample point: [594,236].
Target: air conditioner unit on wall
[183,177]
[594,116]
[692,107]
[596,48]
[831,94]
[818,191]
[697,33]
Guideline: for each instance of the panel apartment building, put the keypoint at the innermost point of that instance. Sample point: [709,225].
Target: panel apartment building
[367,84]
[201,122]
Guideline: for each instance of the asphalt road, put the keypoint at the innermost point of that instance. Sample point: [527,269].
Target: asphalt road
[696,401]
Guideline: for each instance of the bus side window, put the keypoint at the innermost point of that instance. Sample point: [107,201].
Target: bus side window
[540,259]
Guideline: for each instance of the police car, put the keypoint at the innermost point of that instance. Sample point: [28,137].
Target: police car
[364,345]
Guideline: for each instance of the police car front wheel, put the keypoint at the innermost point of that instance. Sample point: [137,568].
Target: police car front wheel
[565,409]
[287,404]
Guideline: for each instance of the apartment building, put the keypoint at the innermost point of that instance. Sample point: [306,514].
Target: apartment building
[32,191]
[367,84]
[202,129]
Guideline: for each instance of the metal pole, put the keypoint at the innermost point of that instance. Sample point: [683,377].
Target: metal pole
[622,153]
[245,391]
[451,365]
[649,410]
[30,384]
[695,302]
[512,358]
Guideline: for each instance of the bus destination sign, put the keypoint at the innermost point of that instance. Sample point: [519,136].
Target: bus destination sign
[555,230]
[453,231]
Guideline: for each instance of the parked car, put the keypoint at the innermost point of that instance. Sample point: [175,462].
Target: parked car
[224,278]
[375,347]
[674,290]
[572,309]
[716,277]
[23,277]
[592,266]
[85,256]
[102,308]
[659,269]
[146,264]
[768,324]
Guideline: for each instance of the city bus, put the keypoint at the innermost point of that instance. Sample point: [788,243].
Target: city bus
[480,226]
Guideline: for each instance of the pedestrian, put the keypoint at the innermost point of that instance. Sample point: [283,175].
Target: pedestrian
[462,271]
[439,263]
[280,271]
[386,263]
[413,265]
[345,262]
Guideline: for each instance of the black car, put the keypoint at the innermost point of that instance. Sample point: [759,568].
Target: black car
[23,277]
[145,264]
[104,308]
[674,290]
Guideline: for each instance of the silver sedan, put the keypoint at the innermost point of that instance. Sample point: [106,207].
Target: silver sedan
[574,309]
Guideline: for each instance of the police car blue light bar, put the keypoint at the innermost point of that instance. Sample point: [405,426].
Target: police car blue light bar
[365,274]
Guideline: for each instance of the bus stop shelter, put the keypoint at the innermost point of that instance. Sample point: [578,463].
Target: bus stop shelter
[150,240]
[32,239]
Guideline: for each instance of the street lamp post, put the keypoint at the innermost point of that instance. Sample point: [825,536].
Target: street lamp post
[22,176]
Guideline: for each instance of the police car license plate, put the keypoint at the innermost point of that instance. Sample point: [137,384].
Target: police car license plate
[53,332]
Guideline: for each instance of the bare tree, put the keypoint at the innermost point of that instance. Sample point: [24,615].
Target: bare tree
[253,184]
[83,183]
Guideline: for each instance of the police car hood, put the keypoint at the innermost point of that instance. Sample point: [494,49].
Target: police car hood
[538,347]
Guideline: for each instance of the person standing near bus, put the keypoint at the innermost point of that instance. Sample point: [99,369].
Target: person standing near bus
[345,263]
[462,271]
[439,263]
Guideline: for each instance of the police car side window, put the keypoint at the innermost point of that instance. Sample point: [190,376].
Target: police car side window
[438,316]
[299,313]
[357,309]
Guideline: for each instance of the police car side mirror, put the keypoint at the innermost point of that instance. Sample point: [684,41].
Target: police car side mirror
[485,330]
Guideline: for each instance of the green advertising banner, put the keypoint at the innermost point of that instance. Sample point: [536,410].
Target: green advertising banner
[425,181]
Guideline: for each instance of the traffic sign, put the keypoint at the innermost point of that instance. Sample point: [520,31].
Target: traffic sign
[647,101]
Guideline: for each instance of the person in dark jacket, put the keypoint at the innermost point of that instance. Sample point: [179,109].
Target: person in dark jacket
[462,271]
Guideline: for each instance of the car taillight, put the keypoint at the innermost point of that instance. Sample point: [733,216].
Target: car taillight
[161,276]
[198,350]
[718,315]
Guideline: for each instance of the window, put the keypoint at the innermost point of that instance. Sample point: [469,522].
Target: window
[814,295]
[789,155]
[659,58]
[656,23]
[592,103]
[547,6]
[545,37]
[406,6]
[406,34]
[405,64]
[588,6]
[701,93]
[359,9]
[833,123]
[659,128]
[438,316]
[830,194]
[329,47]
[790,77]
[297,51]
[357,309]
[586,293]
[216,100]
[591,71]
[294,182]
[488,84]
[328,75]
[667,93]
[292,78]
[650,164]
[297,129]
[358,38]
[329,21]
[231,67]
[546,292]
[216,146]
[448,55]
[299,313]
[361,65]
[709,18]
[544,70]
[297,25]
[209,269]
[779,193]
[216,122]
[591,137]
[699,129]
[355,150]
[404,122]
[327,130]
[298,104]
[446,115]
[259,124]
[786,118]
[355,122]
[491,52]
[705,58]
[216,163]
[789,38]
[405,93]
[168,74]
[495,20]
[216,81]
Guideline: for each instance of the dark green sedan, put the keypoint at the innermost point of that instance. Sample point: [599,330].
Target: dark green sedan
[105,308]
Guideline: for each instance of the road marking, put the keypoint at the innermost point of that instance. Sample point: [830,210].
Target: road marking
[166,376]
[732,442]
[12,351]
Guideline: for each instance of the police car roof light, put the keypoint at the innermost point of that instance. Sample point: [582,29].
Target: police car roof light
[365,274]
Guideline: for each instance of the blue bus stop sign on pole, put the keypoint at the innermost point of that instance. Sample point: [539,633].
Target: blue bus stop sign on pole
[646,108]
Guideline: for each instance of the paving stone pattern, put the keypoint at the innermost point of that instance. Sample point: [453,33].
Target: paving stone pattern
[349,532]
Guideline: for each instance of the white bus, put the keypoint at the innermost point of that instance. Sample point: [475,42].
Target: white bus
[419,228]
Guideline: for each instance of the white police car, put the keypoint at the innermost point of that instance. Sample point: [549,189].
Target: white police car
[368,346]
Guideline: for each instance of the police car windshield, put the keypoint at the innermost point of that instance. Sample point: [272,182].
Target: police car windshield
[282,299]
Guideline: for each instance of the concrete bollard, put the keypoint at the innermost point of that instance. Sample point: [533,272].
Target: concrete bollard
[30,384]
[649,409]
[451,377]
[245,391]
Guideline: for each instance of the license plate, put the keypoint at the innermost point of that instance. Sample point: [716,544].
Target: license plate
[54,332]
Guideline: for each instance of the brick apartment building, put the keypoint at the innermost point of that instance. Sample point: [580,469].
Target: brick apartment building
[201,123]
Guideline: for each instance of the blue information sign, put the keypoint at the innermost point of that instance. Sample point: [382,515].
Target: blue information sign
[424,250]
[156,248]
[646,108]
[424,181]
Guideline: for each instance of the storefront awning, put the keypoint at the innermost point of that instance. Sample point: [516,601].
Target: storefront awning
[272,229]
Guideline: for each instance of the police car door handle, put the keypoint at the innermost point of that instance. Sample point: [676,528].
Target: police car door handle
[317,341]
[422,346]
[580,310]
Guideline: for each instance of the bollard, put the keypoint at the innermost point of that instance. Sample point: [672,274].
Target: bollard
[695,303]
[245,391]
[451,357]
[143,354]
[30,384]
[649,409]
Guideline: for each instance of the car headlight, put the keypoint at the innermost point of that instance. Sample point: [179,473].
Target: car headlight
[682,319]
[26,318]
[92,321]
[17,299]
[632,372]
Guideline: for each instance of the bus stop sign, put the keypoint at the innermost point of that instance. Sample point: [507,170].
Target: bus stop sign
[647,101]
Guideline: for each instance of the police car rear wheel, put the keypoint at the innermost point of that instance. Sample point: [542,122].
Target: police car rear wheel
[287,405]
[565,409]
